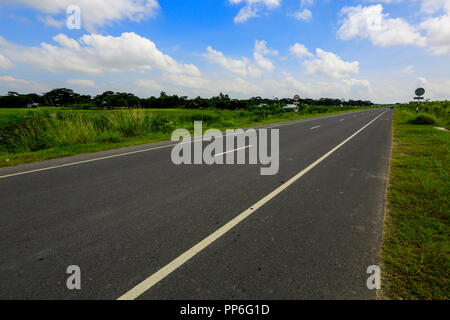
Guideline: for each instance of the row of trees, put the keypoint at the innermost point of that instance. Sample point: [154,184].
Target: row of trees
[109,100]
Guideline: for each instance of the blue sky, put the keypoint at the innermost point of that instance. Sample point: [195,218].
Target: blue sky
[360,49]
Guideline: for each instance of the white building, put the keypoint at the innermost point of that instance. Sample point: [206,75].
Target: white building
[290,107]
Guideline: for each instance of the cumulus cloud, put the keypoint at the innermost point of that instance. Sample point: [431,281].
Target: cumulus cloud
[370,22]
[94,13]
[437,28]
[252,8]
[330,65]
[96,54]
[244,66]
[52,22]
[300,51]
[303,13]
[432,6]
[5,63]
[438,34]
[237,66]
[260,53]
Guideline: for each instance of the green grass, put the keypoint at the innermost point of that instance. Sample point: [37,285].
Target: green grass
[48,133]
[416,248]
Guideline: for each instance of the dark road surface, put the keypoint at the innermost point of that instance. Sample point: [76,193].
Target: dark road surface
[123,218]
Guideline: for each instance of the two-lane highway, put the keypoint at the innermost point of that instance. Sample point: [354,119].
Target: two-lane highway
[140,227]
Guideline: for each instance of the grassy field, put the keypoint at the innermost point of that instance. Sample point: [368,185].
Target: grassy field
[28,135]
[416,249]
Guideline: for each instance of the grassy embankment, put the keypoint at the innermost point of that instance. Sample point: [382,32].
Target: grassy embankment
[47,133]
[416,248]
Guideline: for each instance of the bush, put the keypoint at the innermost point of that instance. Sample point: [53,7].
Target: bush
[425,119]
[44,130]
[205,117]
[129,123]
[109,136]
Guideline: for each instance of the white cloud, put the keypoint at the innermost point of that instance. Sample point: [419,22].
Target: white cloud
[186,81]
[5,63]
[437,28]
[409,69]
[432,6]
[237,66]
[246,13]
[330,65]
[357,82]
[244,66]
[358,87]
[13,80]
[95,54]
[438,34]
[300,51]
[304,3]
[421,81]
[304,15]
[95,13]
[10,83]
[438,89]
[148,85]
[237,86]
[52,22]
[81,83]
[384,1]
[260,53]
[346,88]
[370,22]
[252,8]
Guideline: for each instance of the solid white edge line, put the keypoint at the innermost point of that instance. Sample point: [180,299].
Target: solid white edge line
[221,154]
[145,150]
[102,158]
[81,162]
[152,280]
[313,128]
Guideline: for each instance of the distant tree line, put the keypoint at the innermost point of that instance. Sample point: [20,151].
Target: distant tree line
[111,100]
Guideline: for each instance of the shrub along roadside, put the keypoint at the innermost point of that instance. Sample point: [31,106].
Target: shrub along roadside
[416,250]
[424,118]
[44,130]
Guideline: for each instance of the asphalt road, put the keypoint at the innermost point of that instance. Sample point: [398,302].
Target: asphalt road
[123,217]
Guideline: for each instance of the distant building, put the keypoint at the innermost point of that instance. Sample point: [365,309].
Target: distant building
[290,107]
[32,105]
[262,105]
